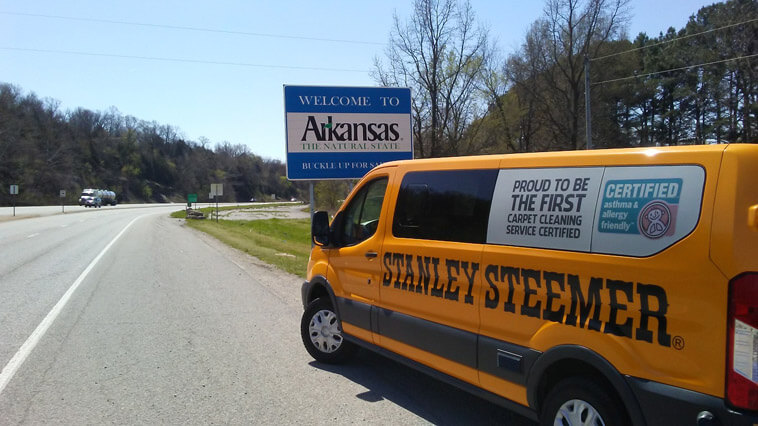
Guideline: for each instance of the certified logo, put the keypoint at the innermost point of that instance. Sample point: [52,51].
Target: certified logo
[654,219]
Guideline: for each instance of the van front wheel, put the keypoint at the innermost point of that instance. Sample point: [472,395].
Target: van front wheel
[578,401]
[322,333]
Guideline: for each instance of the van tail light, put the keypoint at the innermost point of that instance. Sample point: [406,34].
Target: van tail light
[742,349]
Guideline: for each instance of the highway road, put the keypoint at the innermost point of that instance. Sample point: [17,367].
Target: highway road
[126,316]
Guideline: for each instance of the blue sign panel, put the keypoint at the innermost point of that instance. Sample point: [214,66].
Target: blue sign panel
[343,132]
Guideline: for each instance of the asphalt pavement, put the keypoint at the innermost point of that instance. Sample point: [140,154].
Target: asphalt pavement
[166,325]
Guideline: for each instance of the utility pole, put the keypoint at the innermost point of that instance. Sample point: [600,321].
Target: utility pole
[587,112]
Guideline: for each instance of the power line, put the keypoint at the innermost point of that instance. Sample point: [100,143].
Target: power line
[673,40]
[196,29]
[675,69]
[192,61]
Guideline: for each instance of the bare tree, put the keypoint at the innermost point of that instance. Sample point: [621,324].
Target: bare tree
[524,71]
[555,51]
[494,85]
[440,54]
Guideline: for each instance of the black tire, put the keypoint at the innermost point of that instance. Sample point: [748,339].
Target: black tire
[574,400]
[321,331]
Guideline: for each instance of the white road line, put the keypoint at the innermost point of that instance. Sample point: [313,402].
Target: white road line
[32,236]
[18,359]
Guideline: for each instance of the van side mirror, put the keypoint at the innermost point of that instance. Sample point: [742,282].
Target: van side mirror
[320,228]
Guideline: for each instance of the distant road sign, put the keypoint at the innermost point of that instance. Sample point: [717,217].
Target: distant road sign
[14,189]
[217,189]
[192,198]
[63,193]
[343,132]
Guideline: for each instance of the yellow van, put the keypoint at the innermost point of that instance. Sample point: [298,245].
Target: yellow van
[614,285]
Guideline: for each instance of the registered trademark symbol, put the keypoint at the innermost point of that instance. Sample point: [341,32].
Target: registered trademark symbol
[678,343]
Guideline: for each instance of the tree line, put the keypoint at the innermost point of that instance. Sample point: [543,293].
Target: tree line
[44,150]
[694,85]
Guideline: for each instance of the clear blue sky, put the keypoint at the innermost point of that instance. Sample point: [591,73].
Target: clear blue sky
[234,92]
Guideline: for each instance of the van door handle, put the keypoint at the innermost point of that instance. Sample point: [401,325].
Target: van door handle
[371,254]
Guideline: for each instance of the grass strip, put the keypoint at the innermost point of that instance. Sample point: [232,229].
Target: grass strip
[283,243]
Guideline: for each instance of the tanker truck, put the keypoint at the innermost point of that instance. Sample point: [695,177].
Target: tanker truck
[97,197]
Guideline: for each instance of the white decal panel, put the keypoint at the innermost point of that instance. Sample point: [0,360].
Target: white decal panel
[632,211]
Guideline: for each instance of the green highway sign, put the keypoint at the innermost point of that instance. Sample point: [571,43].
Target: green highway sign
[192,198]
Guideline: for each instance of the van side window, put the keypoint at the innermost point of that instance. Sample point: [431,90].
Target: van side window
[447,205]
[361,216]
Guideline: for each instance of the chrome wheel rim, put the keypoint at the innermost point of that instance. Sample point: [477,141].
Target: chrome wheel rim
[577,412]
[325,331]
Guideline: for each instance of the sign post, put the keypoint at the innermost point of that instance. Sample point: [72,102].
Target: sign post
[217,190]
[63,200]
[14,191]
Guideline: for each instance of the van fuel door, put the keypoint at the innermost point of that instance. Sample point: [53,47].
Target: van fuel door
[752,217]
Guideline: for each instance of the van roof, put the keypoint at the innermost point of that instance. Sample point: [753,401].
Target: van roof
[576,156]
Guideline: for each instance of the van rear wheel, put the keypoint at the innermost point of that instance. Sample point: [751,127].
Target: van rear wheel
[321,331]
[579,401]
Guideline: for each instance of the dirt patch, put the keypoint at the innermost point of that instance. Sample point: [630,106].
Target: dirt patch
[295,211]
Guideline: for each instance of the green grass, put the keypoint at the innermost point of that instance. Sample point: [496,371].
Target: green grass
[284,243]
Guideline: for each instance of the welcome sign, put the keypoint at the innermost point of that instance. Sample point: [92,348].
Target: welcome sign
[343,132]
